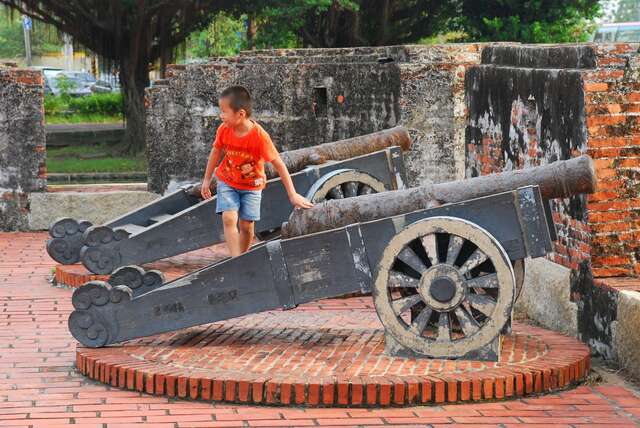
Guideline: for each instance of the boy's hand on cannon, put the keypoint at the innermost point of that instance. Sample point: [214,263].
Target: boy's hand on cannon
[299,201]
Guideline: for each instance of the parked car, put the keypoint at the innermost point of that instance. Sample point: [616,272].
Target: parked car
[111,79]
[618,32]
[83,83]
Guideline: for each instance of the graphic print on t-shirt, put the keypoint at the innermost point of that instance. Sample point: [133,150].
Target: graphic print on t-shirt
[247,170]
[244,157]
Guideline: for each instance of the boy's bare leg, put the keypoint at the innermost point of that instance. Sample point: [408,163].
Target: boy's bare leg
[231,235]
[246,234]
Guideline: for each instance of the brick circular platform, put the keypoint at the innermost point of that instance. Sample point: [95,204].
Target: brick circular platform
[322,356]
[172,268]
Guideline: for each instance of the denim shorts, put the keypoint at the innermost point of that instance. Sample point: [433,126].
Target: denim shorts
[246,202]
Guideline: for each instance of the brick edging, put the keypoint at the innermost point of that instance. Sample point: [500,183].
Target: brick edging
[67,277]
[567,362]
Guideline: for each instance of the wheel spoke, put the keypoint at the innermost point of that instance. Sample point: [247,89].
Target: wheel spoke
[467,322]
[485,281]
[476,258]
[350,189]
[410,258]
[405,303]
[455,245]
[429,244]
[336,193]
[420,322]
[444,332]
[401,280]
[482,303]
[366,190]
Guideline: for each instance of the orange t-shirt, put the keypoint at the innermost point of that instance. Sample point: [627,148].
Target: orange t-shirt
[243,164]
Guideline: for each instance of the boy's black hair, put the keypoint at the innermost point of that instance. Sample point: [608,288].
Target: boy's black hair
[239,98]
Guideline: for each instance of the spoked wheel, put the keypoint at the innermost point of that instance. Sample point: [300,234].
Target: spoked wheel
[338,184]
[444,287]
[344,183]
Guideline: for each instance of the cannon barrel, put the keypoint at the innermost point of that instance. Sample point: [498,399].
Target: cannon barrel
[297,160]
[559,179]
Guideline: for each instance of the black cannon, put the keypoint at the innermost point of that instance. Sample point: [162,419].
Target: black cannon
[182,221]
[443,276]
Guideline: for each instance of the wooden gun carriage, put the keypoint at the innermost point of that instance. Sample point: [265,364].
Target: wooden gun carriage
[441,273]
[182,221]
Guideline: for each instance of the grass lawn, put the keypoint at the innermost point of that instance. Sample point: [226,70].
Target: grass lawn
[87,159]
[81,118]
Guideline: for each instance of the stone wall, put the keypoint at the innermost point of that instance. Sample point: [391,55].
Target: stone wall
[305,97]
[526,108]
[22,144]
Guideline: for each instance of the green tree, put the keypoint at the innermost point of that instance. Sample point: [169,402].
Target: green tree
[225,36]
[340,23]
[44,38]
[530,21]
[130,34]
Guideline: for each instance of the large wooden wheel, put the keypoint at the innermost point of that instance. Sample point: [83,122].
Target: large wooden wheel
[444,287]
[344,183]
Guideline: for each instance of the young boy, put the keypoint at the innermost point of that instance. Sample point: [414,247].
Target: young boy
[240,175]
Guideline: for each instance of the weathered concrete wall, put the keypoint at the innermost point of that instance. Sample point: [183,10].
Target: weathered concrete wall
[555,310]
[22,144]
[626,340]
[299,104]
[96,207]
[432,105]
[524,113]
[366,90]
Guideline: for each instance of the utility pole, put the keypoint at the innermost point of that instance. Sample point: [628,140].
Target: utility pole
[68,51]
[27,24]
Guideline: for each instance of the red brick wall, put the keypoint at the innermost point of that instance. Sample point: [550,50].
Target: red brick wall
[526,130]
[612,106]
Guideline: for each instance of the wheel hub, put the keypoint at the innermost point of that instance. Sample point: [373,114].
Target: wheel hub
[442,287]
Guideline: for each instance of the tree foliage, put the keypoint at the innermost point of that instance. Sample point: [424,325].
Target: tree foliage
[339,23]
[529,21]
[224,36]
[130,34]
[44,38]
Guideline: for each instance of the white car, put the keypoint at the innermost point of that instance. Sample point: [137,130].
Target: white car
[618,32]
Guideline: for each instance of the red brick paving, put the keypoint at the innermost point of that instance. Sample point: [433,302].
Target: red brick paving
[619,283]
[327,358]
[40,387]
